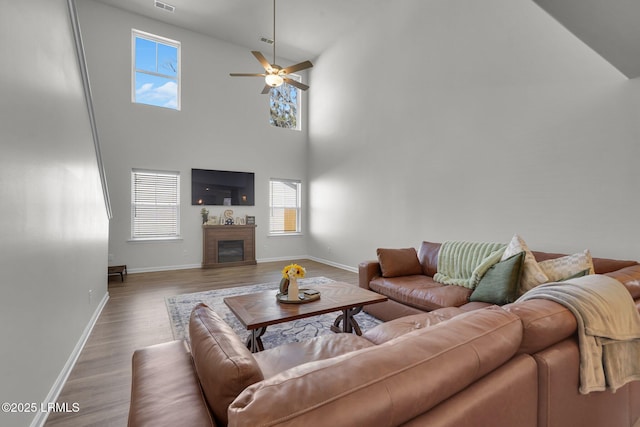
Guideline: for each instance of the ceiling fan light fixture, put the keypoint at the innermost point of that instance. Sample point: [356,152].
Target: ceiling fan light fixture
[274,80]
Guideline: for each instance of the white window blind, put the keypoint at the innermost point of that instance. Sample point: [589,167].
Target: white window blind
[155,204]
[284,197]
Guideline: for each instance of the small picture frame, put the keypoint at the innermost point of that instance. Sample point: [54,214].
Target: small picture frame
[251,220]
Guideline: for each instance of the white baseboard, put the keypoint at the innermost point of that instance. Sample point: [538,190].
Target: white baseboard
[334,264]
[312,258]
[163,268]
[261,260]
[54,393]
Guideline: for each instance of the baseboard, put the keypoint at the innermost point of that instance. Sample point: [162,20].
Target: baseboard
[261,260]
[163,268]
[54,393]
[312,258]
[334,264]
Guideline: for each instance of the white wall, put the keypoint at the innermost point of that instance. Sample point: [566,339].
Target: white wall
[53,222]
[223,124]
[459,119]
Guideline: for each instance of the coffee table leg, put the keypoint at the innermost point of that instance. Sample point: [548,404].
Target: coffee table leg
[254,342]
[349,324]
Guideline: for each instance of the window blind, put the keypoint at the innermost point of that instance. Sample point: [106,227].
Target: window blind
[284,206]
[155,204]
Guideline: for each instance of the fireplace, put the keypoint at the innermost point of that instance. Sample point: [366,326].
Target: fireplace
[230,251]
[228,245]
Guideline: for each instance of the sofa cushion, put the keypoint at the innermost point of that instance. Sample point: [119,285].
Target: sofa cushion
[394,328]
[428,256]
[558,269]
[223,363]
[388,384]
[532,275]
[420,292]
[500,283]
[278,359]
[399,262]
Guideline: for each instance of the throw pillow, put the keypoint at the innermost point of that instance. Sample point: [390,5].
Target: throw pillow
[399,262]
[575,276]
[500,283]
[532,274]
[560,268]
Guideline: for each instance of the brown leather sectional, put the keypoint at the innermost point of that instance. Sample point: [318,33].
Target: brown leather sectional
[412,292]
[472,365]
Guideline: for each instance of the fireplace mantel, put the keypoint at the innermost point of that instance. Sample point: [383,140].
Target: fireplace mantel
[219,248]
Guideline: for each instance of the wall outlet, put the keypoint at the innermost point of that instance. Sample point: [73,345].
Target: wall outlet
[90,295]
[110,257]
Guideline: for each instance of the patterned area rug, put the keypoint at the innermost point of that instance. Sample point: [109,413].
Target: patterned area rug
[180,306]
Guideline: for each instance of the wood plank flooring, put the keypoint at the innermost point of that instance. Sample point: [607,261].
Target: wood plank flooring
[136,316]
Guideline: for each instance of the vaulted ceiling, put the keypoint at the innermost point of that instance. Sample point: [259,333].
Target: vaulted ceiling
[305,28]
[609,27]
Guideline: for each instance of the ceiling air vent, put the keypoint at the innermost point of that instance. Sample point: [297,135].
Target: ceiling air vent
[164,6]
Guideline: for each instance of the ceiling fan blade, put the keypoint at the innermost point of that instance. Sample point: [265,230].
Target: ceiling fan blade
[246,75]
[295,83]
[260,57]
[266,89]
[297,67]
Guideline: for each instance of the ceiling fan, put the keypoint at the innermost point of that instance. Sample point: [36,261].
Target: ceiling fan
[274,74]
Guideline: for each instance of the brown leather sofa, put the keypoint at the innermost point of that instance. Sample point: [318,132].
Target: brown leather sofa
[515,365]
[410,287]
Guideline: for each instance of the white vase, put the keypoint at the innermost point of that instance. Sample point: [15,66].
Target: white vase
[292,293]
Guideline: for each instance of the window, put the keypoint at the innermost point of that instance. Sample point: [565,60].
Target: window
[156,70]
[155,204]
[284,204]
[284,103]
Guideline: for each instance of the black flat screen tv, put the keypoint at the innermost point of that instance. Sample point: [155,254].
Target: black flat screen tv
[222,188]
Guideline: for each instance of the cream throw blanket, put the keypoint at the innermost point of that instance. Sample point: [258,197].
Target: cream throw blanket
[464,263]
[608,329]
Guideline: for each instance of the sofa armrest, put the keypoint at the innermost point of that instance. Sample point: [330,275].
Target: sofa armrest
[367,270]
[630,278]
[165,390]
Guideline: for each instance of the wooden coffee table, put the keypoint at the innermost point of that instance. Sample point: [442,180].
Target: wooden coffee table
[258,310]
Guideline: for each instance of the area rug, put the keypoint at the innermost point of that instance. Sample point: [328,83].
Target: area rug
[180,307]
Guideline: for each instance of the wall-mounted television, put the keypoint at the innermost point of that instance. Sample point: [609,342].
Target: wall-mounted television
[222,188]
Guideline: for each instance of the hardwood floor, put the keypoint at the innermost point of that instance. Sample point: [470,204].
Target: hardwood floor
[136,316]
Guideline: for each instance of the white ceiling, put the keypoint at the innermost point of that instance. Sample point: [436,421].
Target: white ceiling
[305,28]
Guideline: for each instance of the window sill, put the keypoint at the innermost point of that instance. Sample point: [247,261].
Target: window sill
[155,240]
[285,234]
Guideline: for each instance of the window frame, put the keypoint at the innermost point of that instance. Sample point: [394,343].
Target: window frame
[178,78]
[298,208]
[138,237]
[299,92]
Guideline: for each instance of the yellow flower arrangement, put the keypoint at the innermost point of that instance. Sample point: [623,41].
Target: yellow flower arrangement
[293,270]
